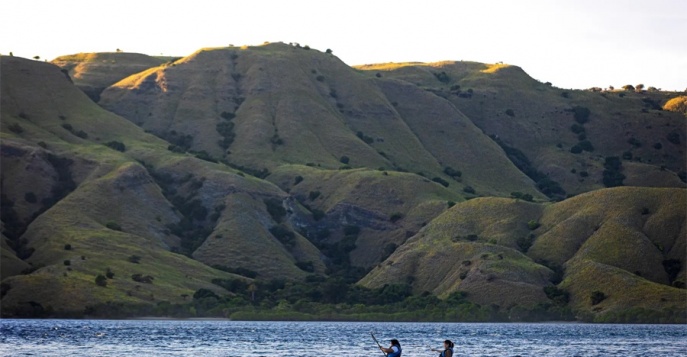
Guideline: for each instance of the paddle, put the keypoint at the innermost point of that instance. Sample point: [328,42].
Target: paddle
[380,346]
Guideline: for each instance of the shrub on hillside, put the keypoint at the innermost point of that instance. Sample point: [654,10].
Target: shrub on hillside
[113,226]
[116,145]
[522,196]
[275,208]
[581,114]
[448,170]
[227,115]
[674,138]
[203,155]
[577,128]
[395,217]
[442,77]
[276,140]
[597,297]
[524,243]
[634,142]
[367,139]
[469,189]
[612,176]
[306,266]
[532,225]
[101,280]
[440,181]
[388,250]
[16,128]
[344,159]
[672,268]
[140,278]
[586,145]
[313,195]
[558,296]
[677,104]
[134,259]
[203,293]
[283,235]
[510,112]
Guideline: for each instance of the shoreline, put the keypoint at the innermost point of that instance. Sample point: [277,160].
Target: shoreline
[221,319]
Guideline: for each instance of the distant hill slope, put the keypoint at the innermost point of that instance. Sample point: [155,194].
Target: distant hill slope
[505,251]
[266,106]
[278,164]
[75,206]
[84,191]
[565,134]
[93,72]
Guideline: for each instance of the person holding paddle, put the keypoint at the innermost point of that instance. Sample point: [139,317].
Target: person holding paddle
[448,349]
[394,350]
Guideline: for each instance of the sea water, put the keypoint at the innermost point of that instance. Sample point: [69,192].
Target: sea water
[310,339]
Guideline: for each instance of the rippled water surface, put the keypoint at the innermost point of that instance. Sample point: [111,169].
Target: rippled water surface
[310,339]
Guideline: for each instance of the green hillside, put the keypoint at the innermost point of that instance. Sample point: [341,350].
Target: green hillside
[266,106]
[277,182]
[623,242]
[93,72]
[565,134]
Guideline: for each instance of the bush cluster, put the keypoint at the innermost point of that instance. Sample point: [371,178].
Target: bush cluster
[612,175]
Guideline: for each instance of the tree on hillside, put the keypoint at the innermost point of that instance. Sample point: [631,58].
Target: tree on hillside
[628,87]
[36,57]
[639,87]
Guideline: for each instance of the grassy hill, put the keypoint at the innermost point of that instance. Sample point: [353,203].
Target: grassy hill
[506,252]
[79,204]
[93,72]
[266,106]
[565,134]
[277,170]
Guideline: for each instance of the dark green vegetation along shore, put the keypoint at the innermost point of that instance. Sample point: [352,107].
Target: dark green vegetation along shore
[276,182]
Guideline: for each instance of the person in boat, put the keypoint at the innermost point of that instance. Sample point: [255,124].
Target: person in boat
[448,349]
[394,350]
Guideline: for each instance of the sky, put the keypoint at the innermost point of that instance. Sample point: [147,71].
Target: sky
[571,43]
